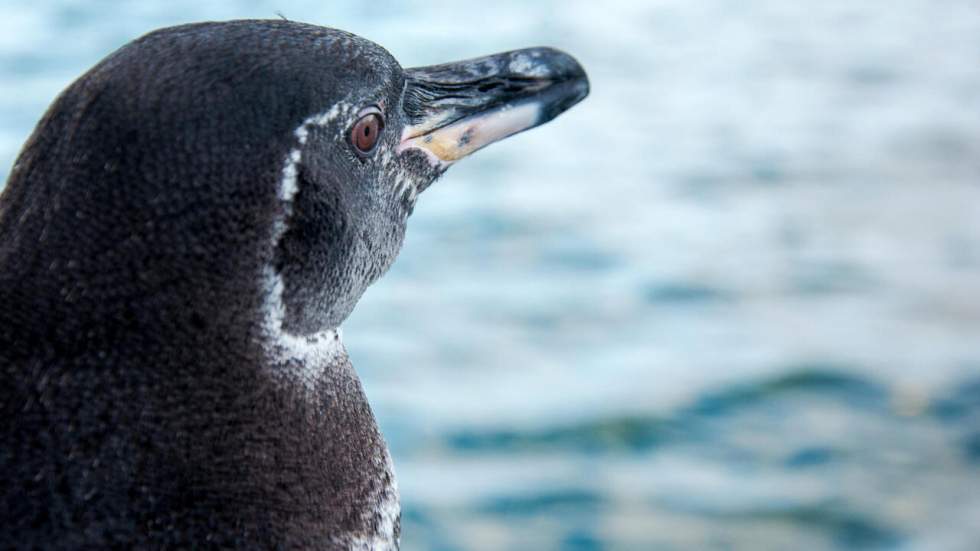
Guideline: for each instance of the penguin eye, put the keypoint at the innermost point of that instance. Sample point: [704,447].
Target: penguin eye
[364,134]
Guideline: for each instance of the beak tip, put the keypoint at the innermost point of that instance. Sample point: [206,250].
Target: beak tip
[564,68]
[547,63]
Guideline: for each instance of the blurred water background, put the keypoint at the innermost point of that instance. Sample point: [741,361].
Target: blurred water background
[731,301]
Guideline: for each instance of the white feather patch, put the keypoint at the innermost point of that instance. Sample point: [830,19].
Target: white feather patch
[388,509]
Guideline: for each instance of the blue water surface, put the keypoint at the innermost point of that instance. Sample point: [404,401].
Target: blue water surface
[731,301]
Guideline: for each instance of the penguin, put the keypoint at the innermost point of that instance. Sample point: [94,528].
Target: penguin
[181,238]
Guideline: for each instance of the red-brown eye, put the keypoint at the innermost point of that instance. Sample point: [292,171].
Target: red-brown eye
[364,135]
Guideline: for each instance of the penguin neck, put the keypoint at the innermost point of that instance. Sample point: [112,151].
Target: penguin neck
[316,367]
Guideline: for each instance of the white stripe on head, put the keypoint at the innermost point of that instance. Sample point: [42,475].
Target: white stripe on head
[310,352]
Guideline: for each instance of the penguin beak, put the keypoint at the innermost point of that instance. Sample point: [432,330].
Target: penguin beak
[457,108]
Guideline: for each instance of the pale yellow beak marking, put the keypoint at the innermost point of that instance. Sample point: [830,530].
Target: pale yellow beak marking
[457,140]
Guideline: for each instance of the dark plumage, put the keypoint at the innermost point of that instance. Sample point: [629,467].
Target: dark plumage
[179,240]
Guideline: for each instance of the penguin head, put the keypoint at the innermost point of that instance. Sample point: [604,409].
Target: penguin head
[385,136]
[208,156]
